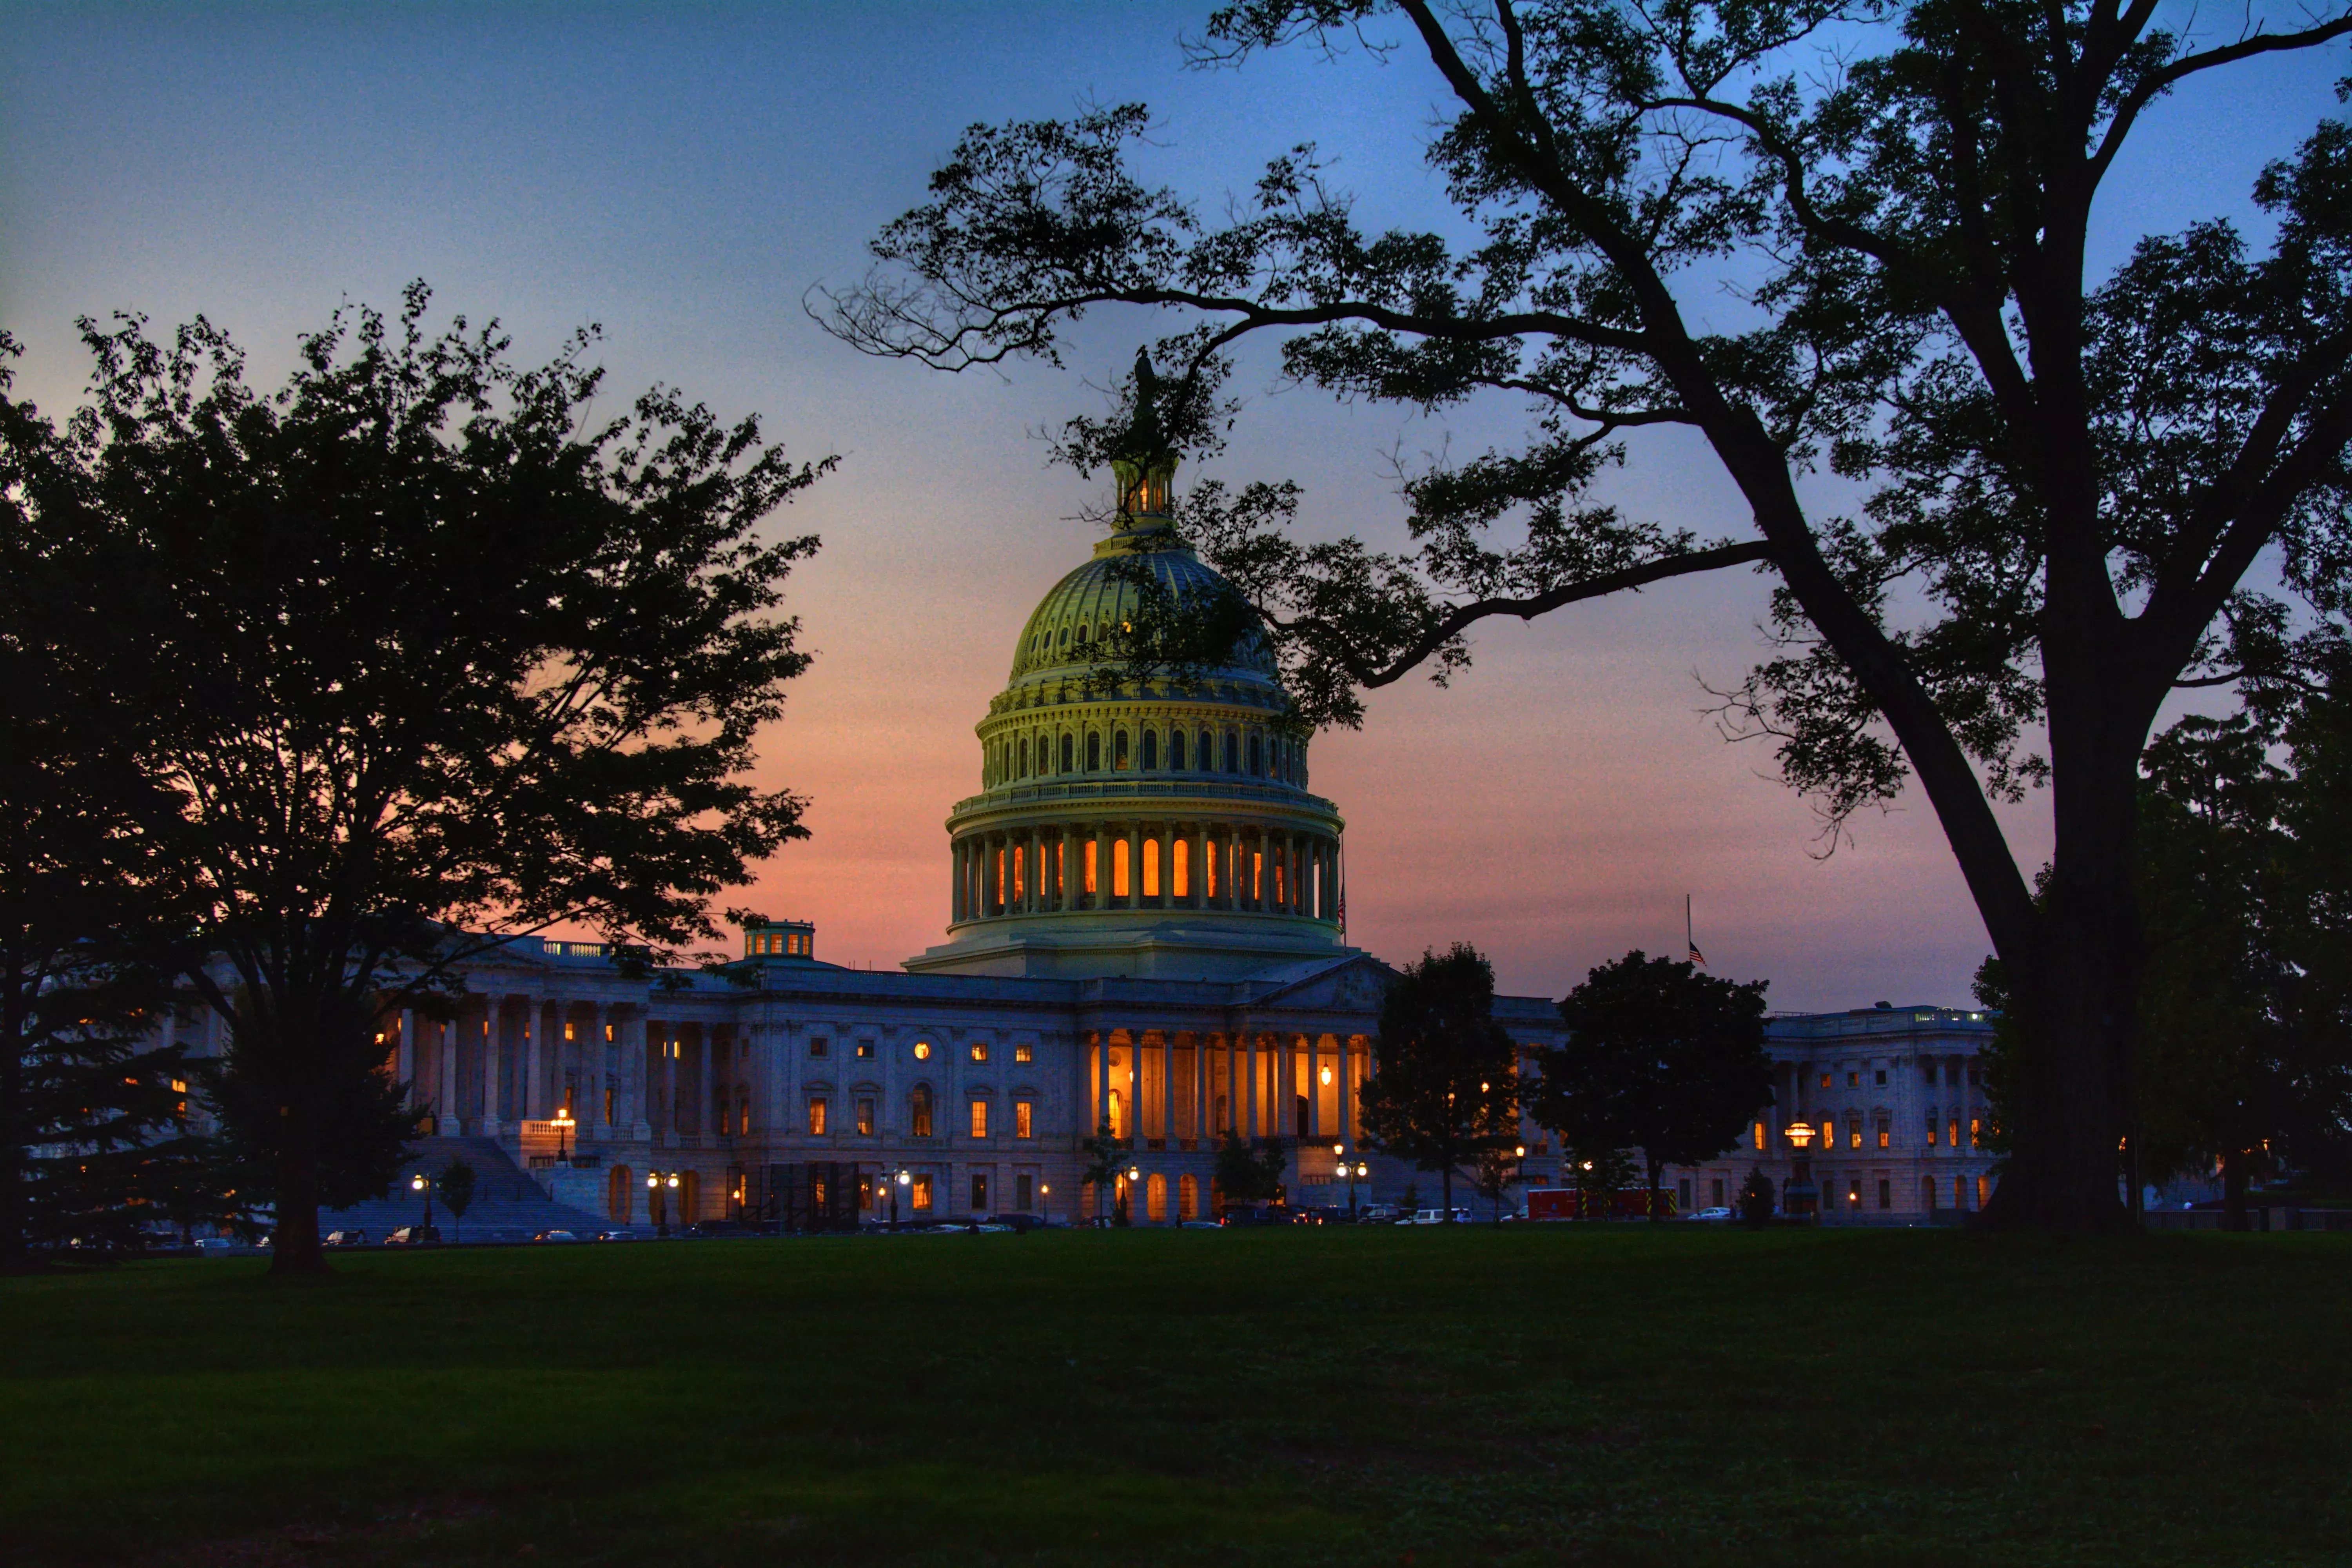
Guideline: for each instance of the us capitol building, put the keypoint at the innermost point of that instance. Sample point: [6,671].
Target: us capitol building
[1144,932]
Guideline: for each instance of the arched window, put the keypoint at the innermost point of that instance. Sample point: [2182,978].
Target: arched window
[1118,868]
[1232,754]
[1155,1200]
[1176,750]
[1254,756]
[1082,633]
[1152,750]
[1024,757]
[1118,752]
[919,1108]
[1094,750]
[1206,757]
[1067,741]
[1065,637]
[1151,867]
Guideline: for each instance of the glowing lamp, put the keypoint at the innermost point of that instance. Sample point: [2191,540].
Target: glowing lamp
[653,1180]
[1327,1078]
[417,1182]
[1521,1151]
[1337,1149]
[1135,1173]
[905,1179]
[1798,1132]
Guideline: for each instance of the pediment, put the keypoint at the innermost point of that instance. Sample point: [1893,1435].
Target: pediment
[1356,984]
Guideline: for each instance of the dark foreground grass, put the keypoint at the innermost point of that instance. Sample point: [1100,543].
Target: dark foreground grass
[1374,1396]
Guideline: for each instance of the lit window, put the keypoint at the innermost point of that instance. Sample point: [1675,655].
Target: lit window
[1853,1078]
[1825,1081]
[608,1107]
[1759,1136]
[921,1106]
[1180,868]
[922,1051]
[980,1050]
[1984,1191]
[1151,867]
[1118,752]
[1119,869]
[1931,1127]
[1020,1122]
[1155,1198]
[980,1119]
[1885,1133]
[816,1115]
[819,1045]
[865,1048]
[1975,1133]
[1829,1132]
[1952,1132]
[1853,1137]
[865,1116]
[922,1192]
[1024,1051]
[979,1192]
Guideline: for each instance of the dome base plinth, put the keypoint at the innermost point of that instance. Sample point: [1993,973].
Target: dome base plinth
[1058,948]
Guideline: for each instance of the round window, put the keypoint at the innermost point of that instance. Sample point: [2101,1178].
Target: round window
[922,1051]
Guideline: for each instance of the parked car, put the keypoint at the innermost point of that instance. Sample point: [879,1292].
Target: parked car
[555,1236]
[214,1245]
[1713,1214]
[414,1236]
[1435,1217]
[1378,1213]
[615,1236]
[345,1238]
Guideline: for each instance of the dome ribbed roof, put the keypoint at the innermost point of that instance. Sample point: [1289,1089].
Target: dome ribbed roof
[1100,594]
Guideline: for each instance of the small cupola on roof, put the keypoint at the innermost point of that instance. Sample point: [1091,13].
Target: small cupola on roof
[779,939]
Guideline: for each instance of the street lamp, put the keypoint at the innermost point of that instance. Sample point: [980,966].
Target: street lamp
[1353,1173]
[563,1124]
[1046,1202]
[1127,1199]
[1801,1197]
[656,1183]
[421,1183]
[901,1177]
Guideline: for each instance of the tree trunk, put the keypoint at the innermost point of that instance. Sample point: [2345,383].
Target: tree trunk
[297,1250]
[2077,999]
[15,1134]
[2234,1192]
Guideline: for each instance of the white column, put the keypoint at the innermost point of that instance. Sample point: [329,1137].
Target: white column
[707,1091]
[493,1074]
[444,1110]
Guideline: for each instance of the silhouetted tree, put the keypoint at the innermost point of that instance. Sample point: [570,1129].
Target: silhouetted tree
[1444,1085]
[1659,1057]
[427,658]
[2072,475]
[457,1187]
[1248,1175]
[1105,1162]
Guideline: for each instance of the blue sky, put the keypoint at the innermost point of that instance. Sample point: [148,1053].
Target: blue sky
[684,175]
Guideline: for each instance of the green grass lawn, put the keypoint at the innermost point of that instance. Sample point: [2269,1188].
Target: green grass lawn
[1343,1396]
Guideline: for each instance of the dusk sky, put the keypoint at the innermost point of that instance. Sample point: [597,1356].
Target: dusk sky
[684,173]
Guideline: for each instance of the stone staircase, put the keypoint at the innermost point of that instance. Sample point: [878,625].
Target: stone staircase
[508,1205]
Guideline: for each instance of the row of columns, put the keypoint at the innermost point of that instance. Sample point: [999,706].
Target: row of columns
[1255,1077]
[614,1067]
[1225,866]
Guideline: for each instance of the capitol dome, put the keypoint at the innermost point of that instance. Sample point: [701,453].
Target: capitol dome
[1139,828]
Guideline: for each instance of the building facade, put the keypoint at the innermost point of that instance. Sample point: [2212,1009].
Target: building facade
[1894,1103]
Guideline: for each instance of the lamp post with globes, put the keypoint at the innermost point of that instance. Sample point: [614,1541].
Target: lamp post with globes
[423,1183]
[1127,1198]
[1355,1171]
[563,1124]
[662,1184]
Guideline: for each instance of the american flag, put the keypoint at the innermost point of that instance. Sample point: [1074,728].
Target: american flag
[1690,940]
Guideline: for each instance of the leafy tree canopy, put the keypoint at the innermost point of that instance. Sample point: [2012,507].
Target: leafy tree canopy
[424,655]
[1444,1088]
[1659,1057]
